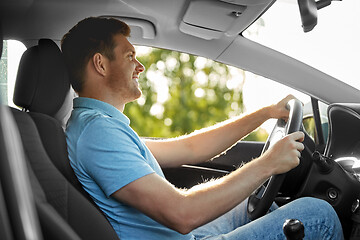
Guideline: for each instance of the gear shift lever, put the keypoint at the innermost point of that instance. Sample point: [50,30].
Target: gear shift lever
[293,229]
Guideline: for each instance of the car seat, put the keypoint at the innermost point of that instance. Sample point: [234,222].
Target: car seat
[23,207]
[41,88]
[18,216]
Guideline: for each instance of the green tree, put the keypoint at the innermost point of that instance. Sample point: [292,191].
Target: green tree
[183,93]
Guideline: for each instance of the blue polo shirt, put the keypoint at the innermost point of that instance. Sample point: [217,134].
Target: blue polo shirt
[106,155]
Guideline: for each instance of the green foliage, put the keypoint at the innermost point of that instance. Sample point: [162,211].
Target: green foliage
[259,135]
[183,93]
[309,125]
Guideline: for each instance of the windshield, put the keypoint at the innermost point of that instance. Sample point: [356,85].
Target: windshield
[333,46]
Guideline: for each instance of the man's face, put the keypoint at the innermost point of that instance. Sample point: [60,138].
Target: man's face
[124,70]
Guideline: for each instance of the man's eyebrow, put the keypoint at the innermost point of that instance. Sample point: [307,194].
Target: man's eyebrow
[129,50]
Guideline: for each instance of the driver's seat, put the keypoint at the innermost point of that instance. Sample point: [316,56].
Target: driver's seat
[42,85]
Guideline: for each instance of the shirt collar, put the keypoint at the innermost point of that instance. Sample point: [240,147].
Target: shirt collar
[103,107]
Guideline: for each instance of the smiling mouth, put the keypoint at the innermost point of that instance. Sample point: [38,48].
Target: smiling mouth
[136,79]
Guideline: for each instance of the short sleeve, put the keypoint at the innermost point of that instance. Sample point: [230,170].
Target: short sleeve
[111,155]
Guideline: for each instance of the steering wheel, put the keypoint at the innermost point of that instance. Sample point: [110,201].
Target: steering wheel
[260,201]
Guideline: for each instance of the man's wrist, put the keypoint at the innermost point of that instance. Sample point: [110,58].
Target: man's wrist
[268,112]
[264,168]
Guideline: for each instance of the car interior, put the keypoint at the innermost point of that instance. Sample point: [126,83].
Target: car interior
[40,196]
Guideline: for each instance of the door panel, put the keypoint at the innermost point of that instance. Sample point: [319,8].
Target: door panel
[188,176]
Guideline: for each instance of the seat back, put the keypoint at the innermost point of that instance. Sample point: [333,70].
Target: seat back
[42,89]
[56,191]
[19,219]
[24,211]
[13,215]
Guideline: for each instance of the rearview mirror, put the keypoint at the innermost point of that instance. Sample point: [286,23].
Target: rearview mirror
[308,13]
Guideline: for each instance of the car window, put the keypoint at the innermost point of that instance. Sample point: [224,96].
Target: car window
[335,38]
[183,93]
[12,52]
[324,119]
[309,121]
[259,91]
[309,126]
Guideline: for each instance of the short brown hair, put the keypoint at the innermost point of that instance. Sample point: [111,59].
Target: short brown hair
[91,35]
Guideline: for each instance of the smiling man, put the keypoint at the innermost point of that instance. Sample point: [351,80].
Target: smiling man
[123,173]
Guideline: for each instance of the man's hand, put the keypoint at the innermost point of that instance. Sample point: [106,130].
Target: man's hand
[279,110]
[285,154]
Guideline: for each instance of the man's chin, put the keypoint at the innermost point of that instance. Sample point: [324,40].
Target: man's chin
[136,96]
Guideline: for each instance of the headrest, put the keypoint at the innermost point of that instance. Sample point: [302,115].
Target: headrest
[42,82]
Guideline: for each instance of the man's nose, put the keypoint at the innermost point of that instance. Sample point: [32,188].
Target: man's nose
[139,67]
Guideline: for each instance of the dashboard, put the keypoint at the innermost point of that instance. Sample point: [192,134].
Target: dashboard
[334,175]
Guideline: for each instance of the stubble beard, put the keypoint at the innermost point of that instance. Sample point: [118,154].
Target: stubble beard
[127,92]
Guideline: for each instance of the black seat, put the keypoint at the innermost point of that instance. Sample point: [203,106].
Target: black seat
[24,211]
[41,88]
[42,83]
[18,217]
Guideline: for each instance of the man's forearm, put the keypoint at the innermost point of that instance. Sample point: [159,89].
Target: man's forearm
[205,144]
[212,141]
[185,210]
[207,201]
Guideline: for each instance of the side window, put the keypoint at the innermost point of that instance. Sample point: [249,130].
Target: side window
[259,92]
[12,52]
[183,93]
[309,125]
[324,119]
[309,121]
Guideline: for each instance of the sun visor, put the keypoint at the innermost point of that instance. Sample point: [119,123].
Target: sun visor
[211,19]
[140,28]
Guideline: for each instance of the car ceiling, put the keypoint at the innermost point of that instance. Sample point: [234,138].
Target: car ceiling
[174,24]
[208,28]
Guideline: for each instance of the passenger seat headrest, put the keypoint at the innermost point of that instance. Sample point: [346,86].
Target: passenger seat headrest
[42,81]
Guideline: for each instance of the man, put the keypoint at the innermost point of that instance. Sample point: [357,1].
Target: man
[123,173]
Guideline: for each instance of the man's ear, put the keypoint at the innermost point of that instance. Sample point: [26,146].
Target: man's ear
[99,63]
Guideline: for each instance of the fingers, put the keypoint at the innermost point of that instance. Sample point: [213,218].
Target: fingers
[299,146]
[285,100]
[288,98]
[297,136]
[296,140]
[296,145]
[280,109]
[286,153]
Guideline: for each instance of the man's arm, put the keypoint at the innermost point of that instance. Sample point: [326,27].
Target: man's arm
[185,210]
[207,143]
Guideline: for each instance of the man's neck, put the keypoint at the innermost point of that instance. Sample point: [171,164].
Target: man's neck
[117,104]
